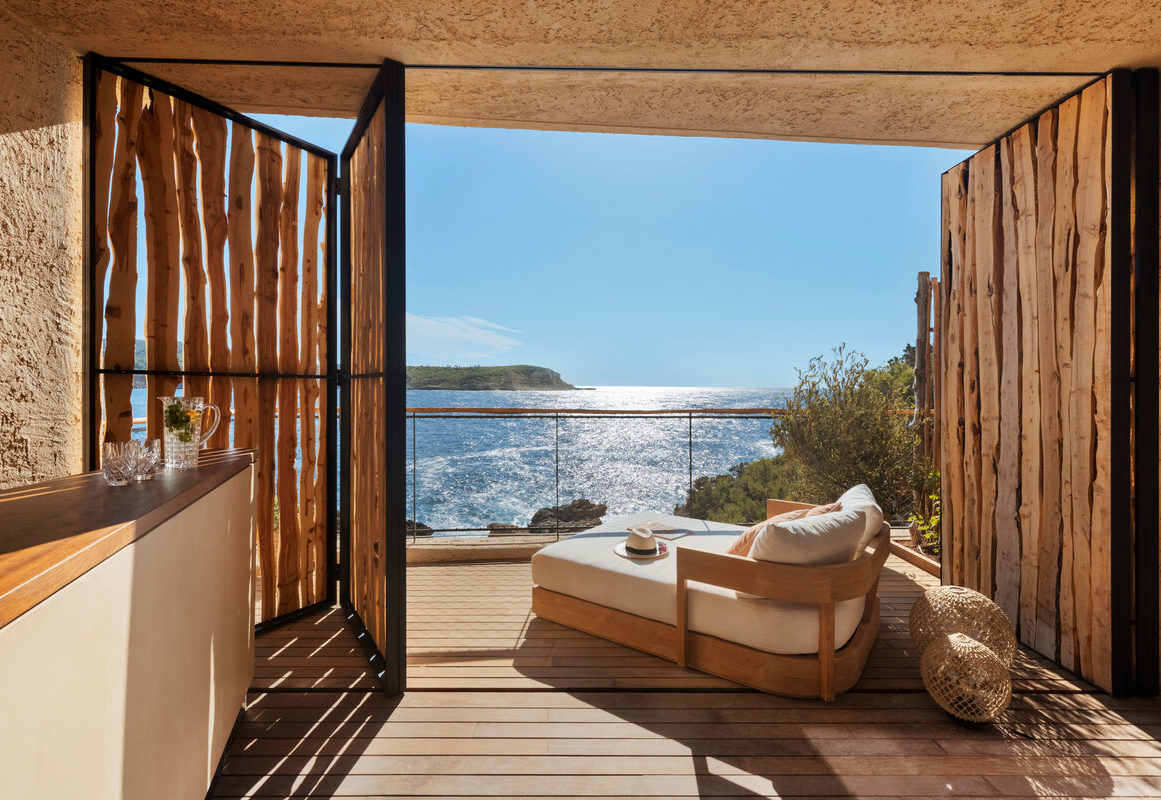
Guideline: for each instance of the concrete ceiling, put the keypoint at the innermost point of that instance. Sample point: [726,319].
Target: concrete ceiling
[989,36]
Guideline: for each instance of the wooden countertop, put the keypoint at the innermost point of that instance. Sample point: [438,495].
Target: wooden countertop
[51,533]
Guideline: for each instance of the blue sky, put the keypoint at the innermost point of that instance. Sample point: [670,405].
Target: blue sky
[656,260]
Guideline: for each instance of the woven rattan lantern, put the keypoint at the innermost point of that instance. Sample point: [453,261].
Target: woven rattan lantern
[953,609]
[966,678]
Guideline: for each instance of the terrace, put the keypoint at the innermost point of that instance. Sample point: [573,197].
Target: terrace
[252,628]
[502,704]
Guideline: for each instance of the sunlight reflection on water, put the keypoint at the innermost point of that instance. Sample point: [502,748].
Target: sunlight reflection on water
[472,472]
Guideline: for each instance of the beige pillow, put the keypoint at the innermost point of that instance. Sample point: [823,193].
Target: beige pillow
[860,497]
[824,539]
[741,545]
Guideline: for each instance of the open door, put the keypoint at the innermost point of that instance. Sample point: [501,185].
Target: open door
[373,405]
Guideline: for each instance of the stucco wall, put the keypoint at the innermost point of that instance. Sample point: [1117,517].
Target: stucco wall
[41,134]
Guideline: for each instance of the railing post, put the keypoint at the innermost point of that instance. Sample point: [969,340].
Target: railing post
[414,483]
[556,517]
[691,455]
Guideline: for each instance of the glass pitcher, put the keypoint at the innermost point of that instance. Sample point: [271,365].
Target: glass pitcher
[182,420]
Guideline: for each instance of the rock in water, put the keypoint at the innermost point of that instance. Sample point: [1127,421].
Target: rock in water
[575,516]
[501,528]
[418,528]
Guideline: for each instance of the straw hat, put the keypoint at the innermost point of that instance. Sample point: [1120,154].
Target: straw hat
[641,544]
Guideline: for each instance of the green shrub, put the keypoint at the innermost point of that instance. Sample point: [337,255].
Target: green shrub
[845,424]
[737,496]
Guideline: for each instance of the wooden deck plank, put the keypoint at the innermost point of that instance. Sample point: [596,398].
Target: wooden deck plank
[528,708]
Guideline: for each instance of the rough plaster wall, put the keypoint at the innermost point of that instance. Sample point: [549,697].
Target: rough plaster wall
[41,133]
[944,111]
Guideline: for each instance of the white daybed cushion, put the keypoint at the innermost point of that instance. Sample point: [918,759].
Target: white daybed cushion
[584,566]
[860,497]
[830,538]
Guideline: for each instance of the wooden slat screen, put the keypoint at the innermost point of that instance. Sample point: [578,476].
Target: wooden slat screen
[1025,379]
[367,464]
[232,282]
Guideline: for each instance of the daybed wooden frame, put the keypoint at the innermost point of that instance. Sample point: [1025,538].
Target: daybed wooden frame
[825,674]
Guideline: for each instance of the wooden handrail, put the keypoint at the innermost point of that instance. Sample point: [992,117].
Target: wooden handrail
[596,412]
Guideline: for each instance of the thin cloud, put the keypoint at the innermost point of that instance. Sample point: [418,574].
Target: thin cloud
[483,323]
[451,339]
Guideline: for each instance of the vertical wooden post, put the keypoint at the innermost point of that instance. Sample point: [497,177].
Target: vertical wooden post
[163,236]
[1023,189]
[826,649]
[937,374]
[922,354]
[290,579]
[1006,520]
[195,341]
[312,329]
[1041,620]
[102,134]
[120,307]
[921,417]
[243,350]
[266,274]
[210,142]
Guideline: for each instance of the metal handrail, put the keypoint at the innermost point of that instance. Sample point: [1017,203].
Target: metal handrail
[596,412]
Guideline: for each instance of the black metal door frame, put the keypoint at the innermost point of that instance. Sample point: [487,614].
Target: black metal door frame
[93,65]
[388,91]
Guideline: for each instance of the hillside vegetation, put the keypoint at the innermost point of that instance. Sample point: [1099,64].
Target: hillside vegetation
[518,376]
[843,424]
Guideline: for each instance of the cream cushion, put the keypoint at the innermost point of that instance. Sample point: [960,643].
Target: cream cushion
[741,546]
[584,566]
[823,539]
[861,497]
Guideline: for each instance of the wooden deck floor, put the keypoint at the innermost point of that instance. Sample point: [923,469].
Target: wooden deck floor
[502,704]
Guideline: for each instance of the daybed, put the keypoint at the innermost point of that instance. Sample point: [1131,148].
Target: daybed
[808,634]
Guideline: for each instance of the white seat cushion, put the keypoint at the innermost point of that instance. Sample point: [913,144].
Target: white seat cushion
[585,566]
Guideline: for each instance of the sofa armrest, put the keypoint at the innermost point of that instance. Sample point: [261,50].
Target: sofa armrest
[775,507]
[794,583]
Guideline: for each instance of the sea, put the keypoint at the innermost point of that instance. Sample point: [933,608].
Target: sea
[470,472]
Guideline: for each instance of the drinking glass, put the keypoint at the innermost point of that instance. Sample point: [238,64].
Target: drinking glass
[119,462]
[182,422]
[148,459]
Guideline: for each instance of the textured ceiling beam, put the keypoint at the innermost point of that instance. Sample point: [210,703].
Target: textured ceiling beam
[1020,54]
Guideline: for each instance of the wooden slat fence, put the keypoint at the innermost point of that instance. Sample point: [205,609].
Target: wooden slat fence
[368,443]
[233,283]
[1024,379]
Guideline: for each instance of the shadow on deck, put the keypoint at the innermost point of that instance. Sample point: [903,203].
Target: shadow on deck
[502,704]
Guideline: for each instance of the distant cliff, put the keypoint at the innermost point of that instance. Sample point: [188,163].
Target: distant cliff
[519,376]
